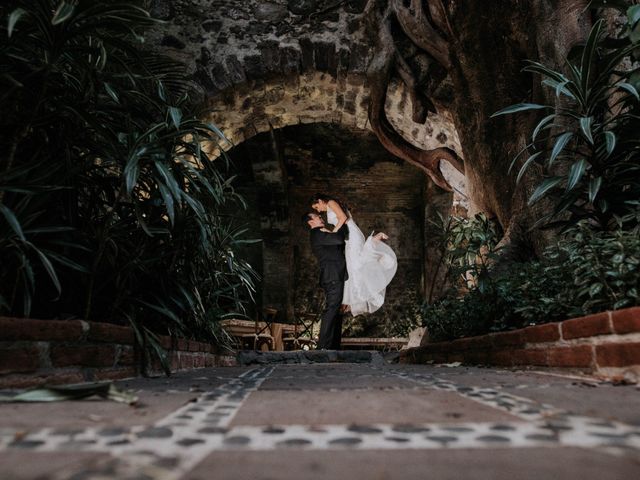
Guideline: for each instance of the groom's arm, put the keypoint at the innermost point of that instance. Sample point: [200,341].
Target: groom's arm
[324,238]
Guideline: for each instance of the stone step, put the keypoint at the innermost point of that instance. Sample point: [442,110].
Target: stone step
[250,357]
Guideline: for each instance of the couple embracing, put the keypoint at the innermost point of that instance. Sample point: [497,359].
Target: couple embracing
[354,272]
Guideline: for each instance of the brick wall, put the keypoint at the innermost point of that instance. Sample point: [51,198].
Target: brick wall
[38,352]
[606,344]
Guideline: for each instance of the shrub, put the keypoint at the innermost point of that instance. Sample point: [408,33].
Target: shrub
[110,209]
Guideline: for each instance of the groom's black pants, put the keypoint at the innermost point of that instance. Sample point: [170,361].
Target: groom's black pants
[331,322]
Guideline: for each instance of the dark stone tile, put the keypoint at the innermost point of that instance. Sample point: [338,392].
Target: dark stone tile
[294,442]
[156,432]
[346,441]
[494,439]
[237,440]
[363,429]
[187,442]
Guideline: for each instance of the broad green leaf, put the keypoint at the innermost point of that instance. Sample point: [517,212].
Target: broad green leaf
[63,12]
[633,15]
[594,188]
[585,125]
[576,173]
[629,88]
[168,201]
[13,222]
[16,15]
[561,142]
[610,141]
[519,107]
[543,188]
[176,116]
[526,165]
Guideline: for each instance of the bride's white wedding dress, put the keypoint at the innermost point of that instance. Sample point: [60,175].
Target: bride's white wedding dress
[371,264]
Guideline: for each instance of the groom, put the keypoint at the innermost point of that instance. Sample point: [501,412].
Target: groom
[329,250]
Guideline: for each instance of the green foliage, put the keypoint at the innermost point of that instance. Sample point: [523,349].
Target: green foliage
[110,209]
[587,142]
[585,272]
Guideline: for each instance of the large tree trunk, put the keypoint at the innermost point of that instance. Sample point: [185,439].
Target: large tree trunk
[482,45]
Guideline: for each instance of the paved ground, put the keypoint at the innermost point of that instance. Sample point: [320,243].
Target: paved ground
[318,421]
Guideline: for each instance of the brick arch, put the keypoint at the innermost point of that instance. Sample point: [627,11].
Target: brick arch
[246,109]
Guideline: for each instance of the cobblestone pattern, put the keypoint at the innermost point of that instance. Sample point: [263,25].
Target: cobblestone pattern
[172,446]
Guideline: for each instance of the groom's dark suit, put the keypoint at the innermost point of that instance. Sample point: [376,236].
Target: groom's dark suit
[329,250]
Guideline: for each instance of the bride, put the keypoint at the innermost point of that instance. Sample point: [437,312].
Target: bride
[371,263]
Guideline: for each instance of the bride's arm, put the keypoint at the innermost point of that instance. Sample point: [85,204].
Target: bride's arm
[337,209]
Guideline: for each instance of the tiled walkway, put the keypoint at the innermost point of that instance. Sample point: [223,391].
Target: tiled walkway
[334,421]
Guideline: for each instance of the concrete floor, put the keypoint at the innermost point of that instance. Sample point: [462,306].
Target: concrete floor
[317,421]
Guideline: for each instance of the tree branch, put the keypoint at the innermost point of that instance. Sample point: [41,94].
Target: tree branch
[416,26]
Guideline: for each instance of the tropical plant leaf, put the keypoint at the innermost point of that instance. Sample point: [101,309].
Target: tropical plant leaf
[63,12]
[526,165]
[543,188]
[14,17]
[519,107]
[561,142]
[13,222]
[575,174]
[585,126]
[610,141]
[594,188]
[629,88]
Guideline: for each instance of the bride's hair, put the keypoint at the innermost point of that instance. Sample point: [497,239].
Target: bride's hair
[325,198]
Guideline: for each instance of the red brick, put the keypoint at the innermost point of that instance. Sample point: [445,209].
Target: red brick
[627,320]
[195,346]
[461,344]
[477,357]
[182,344]
[503,358]
[28,381]
[549,332]
[573,356]
[18,360]
[481,342]
[106,332]
[115,373]
[199,361]
[30,329]
[84,356]
[210,360]
[165,342]
[589,326]
[530,356]
[618,354]
[127,356]
[504,339]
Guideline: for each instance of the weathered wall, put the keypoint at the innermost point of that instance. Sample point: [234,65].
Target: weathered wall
[264,64]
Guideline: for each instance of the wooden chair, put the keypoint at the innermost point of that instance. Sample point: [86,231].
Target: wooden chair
[262,338]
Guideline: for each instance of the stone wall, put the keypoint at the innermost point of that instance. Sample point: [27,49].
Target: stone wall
[606,344]
[266,64]
[39,352]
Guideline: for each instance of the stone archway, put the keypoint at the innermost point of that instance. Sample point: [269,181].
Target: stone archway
[264,66]
[280,170]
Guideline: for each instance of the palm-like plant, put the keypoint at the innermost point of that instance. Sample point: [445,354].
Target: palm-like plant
[588,144]
[104,187]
